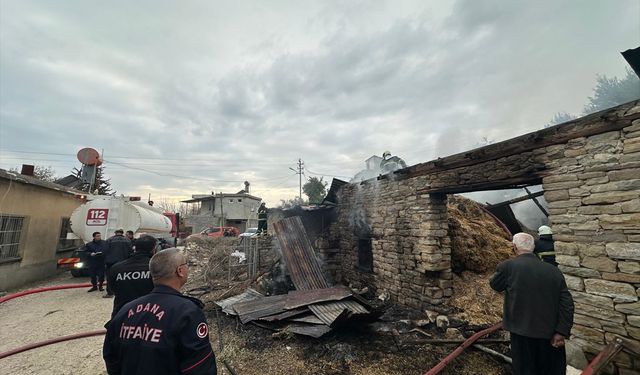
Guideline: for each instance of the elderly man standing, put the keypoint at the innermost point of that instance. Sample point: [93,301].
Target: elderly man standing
[164,332]
[538,310]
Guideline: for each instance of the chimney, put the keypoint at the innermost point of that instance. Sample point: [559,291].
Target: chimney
[27,170]
[246,187]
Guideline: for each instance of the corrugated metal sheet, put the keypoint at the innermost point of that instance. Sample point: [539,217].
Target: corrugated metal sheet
[332,313]
[247,295]
[285,315]
[313,330]
[298,254]
[297,298]
[258,308]
[308,318]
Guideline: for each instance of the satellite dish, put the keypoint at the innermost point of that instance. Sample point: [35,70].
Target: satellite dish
[89,156]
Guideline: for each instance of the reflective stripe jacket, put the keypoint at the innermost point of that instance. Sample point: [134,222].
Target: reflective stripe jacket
[161,333]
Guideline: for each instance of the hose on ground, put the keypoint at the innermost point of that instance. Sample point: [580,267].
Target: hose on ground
[52,341]
[44,289]
[442,364]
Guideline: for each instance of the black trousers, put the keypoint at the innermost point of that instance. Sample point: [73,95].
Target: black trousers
[106,271]
[536,356]
[96,271]
[262,226]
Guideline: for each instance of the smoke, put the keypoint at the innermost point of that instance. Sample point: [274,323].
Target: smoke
[527,212]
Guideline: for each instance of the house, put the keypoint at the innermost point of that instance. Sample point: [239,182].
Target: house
[238,210]
[34,222]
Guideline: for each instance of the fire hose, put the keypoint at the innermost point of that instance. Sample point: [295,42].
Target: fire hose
[52,341]
[442,364]
[40,290]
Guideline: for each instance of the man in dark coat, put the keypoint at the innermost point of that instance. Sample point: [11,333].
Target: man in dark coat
[163,332]
[130,278]
[119,248]
[538,310]
[544,247]
[96,249]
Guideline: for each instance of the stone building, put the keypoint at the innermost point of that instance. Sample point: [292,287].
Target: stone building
[391,233]
[238,210]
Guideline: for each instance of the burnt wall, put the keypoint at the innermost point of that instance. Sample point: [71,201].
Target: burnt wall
[592,184]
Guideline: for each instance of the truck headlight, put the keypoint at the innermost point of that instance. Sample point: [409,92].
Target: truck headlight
[78,265]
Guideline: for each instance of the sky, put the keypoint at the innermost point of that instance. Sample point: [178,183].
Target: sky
[190,97]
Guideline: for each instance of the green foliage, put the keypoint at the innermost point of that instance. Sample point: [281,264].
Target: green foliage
[102,184]
[610,92]
[41,172]
[315,189]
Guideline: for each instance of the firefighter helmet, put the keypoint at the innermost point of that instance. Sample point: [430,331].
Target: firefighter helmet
[385,154]
[544,230]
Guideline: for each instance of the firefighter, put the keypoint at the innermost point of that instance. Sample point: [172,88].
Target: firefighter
[130,278]
[96,249]
[163,332]
[391,163]
[119,248]
[262,219]
[544,248]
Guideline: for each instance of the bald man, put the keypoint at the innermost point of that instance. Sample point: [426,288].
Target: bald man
[538,310]
[163,332]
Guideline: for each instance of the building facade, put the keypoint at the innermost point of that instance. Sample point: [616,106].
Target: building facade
[34,222]
[238,210]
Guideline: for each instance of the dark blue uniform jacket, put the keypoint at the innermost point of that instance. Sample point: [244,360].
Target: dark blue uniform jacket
[161,333]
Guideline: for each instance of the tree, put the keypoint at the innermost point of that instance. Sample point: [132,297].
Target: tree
[102,184]
[610,92]
[41,172]
[315,189]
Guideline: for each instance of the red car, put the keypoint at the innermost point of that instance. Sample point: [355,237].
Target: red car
[221,232]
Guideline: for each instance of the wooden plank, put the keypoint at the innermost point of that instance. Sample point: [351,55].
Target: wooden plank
[510,183]
[516,200]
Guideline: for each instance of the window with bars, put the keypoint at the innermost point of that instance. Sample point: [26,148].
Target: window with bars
[63,243]
[10,233]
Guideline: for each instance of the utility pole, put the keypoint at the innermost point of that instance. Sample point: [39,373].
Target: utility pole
[299,171]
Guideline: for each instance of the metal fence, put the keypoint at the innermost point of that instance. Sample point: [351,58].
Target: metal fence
[249,246]
[10,233]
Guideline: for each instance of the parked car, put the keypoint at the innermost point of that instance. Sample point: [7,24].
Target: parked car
[220,232]
[78,263]
[250,232]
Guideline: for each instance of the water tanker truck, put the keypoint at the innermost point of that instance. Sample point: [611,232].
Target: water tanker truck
[106,214]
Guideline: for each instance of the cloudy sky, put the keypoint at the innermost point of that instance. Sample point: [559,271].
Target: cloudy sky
[188,97]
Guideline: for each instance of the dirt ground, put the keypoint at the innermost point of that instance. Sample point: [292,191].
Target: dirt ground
[43,316]
[248,349]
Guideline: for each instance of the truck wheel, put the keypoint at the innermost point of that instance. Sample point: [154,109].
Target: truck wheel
[76,273]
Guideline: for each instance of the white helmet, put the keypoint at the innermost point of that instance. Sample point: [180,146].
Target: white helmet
[385,154]
[544,230]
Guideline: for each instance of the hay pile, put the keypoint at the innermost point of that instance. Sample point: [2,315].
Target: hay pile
[479,243]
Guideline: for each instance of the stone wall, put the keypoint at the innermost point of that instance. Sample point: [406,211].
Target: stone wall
[595,211]
[592,185]
[410,244]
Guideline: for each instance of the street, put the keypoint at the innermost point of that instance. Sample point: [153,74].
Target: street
[38,317]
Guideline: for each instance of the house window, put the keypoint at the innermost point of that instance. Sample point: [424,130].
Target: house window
[63,243]
[230,200]
[239,200]
[10,233]
[365,255]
